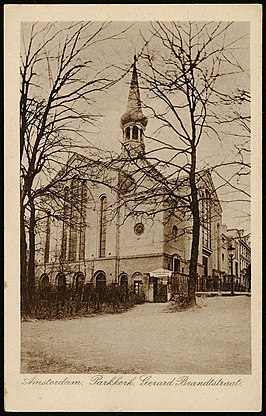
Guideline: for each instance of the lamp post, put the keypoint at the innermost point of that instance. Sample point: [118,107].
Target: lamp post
[231,249]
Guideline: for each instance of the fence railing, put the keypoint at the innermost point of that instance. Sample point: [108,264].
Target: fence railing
[216,284]
[179,284]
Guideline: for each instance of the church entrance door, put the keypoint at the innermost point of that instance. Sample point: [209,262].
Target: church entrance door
[160,279]
[160,291]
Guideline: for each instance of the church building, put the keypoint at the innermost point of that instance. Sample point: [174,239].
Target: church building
[116,223]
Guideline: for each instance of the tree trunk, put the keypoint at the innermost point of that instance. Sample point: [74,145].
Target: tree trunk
[31,263]
[24,295]
[192,283]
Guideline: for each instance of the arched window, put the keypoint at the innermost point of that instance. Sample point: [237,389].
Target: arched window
[47,238]
[44,286]
[100,280]
[44,280]
[74,202]
[80,279]
[128,133]
[174,231]
[206,220]
[82,232]
[135,133]
[65,223]
[176,264]
[123,281]
[61,280]
[103,206]
[61,287]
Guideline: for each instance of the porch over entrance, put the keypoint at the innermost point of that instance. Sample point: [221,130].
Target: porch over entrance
[159,289]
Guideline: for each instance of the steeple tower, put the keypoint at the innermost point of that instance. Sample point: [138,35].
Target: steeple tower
[133,121]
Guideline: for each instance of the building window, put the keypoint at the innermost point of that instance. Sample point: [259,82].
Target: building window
[47,239]
[236,249]
[61,280]
[124,281]
[74,204]
[44,286]
[137,286]
[103,207]
[82,221]
[174,231]
[80,279]
[222,256]
[135,133]
[100,280]
[206,219]
[176,265]
[128,133]
[205,265]
[65,223]
[44,280]
[139,228]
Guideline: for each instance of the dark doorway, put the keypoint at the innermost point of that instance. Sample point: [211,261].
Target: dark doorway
[160,291]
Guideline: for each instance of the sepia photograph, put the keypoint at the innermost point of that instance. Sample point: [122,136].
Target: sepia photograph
[135,236]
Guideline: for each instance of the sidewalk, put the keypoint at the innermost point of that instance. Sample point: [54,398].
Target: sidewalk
[222,293]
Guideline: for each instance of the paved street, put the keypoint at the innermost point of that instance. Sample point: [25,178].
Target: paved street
[211,339]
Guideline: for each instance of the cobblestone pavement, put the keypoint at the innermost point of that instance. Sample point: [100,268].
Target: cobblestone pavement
[213,338]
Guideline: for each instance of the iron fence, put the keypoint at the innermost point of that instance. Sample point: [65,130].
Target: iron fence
[179,284]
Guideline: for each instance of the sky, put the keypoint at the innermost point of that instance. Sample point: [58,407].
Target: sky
[118,54]
[235,214]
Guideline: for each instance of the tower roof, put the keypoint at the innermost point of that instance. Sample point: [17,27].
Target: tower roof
[134,112]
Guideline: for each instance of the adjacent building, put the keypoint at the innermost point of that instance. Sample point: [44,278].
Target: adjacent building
[241,263]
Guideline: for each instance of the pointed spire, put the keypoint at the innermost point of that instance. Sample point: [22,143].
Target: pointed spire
[133,112]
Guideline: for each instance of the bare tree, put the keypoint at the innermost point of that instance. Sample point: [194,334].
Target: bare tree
[60,81]
[188,79]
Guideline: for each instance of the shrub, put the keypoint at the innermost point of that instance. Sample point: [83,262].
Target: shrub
[53,302]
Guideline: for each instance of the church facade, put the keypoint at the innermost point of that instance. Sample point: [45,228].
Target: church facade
[114,226]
